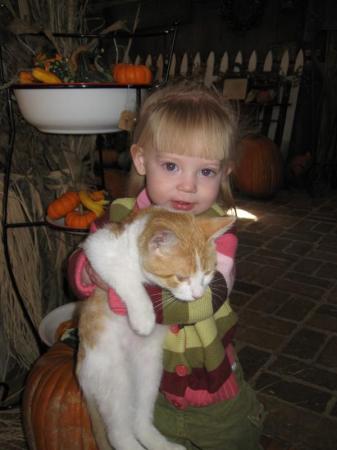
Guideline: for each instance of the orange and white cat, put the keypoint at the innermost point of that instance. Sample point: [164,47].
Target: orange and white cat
[120,357]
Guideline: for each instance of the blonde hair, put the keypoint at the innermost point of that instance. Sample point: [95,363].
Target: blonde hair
[187,119]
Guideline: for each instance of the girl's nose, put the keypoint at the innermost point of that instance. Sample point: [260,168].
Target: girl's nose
[187,184]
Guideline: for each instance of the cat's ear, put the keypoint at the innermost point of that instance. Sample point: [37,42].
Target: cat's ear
[213,227]
[162,241]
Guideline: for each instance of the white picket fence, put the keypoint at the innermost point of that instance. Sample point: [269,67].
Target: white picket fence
[279,123]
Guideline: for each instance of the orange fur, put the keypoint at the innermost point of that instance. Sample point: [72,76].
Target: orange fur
[194,237]
[92,317]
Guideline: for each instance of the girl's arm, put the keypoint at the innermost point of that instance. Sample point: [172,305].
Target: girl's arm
[81,277]
[226,246]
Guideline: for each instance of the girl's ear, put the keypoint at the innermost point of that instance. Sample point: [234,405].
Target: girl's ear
[137,154]
[228,168]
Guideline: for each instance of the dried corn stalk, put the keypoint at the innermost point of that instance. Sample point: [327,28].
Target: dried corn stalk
[26,264]
[11,431]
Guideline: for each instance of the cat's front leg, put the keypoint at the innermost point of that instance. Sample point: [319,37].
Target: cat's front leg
[140,309]
[142,317]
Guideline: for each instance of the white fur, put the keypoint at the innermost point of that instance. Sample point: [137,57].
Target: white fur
[120,374]
[116,260]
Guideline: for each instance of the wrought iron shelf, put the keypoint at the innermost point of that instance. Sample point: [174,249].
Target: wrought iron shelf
[172,32]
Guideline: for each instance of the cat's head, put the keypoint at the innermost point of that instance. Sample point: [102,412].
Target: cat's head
[178,251]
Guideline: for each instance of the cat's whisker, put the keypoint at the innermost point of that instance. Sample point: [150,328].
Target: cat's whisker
[168,302]
[164,304]
[217,282]
[218,288]
[157,297]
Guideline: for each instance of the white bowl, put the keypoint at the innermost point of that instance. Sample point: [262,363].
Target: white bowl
[52,320]
[78,108]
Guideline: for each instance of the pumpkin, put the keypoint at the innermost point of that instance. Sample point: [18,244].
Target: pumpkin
[55,415]
[63,205]
[259,172]
[63,327]
[77,219]
[132,74]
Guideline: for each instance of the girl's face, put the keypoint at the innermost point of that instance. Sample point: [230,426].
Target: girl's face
[179,182]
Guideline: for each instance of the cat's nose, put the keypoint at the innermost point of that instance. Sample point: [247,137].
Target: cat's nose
[197,293]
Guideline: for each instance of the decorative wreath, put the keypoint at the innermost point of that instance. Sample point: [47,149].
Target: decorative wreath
[242,15]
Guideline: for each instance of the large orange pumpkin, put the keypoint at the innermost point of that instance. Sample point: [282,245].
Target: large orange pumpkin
[55,415]
[132,74]
[63,205]
[259,172]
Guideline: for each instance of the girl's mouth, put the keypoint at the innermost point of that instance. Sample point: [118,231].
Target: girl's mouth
[182,206]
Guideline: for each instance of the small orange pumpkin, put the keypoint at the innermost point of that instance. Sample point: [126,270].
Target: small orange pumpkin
[63,205]
[77,219]
[55,415]
[132,74]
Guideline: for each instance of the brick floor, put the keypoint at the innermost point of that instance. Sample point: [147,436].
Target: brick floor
[286,298]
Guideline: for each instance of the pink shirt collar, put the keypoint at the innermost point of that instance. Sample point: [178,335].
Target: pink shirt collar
[143,200]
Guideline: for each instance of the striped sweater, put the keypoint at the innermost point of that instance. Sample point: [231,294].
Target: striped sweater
[198,352]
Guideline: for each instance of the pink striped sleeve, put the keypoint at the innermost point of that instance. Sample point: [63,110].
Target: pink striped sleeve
[226,246]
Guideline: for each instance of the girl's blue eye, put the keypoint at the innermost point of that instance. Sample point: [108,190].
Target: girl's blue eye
[170,166]
[208,172]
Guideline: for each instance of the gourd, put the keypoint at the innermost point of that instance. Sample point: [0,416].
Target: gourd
[55,415]
[77,219]
[63,205]
[132,74]
[97,195]
[26,77]
[54,63]
[88,200]
[259,172]
[45,76]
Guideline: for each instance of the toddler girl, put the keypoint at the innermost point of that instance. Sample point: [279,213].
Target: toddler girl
[183,151]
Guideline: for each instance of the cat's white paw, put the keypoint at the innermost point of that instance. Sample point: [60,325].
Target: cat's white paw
[167,446]
[152,439]
[172,446]
[143,321]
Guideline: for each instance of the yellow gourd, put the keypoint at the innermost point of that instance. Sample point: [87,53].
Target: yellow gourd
[45,76]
